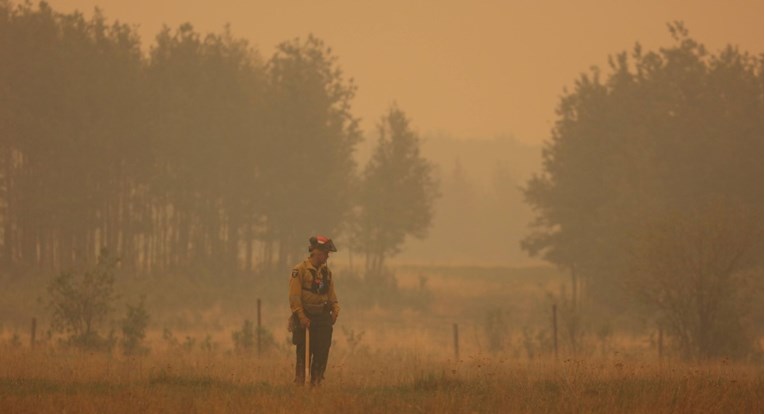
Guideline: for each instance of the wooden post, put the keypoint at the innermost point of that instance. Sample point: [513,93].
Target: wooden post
[307,354]
[259,330]
[555,329]
[33,334]
[350,260]
[456,342]
[661,343]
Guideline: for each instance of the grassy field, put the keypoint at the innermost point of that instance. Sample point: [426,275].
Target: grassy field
[45,381]
[391,352]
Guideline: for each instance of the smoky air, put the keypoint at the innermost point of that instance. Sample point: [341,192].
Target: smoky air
[381,207]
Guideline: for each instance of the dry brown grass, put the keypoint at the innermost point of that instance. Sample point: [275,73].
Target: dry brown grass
[404,363]
[375,382]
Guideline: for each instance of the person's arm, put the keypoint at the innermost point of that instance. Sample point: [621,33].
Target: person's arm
[296,298]
[332,299]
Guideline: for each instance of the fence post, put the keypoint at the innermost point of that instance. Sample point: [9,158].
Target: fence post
[33,333]
[555,329]
[661,343]
[456,342]
[259,329]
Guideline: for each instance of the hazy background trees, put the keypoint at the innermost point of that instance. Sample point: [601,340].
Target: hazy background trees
[480,216]
[69,92]
[396,195]
[202,129]
[666,134]
[199,156]
[203,157]
[306,165]
[700,269]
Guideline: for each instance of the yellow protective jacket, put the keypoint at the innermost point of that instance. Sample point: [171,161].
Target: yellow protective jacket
[304,296]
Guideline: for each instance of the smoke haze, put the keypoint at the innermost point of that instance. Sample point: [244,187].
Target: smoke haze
[466,69]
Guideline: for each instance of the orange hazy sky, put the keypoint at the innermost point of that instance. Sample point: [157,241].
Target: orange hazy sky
[469,69]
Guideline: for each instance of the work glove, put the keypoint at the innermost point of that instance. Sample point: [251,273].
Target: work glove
[304,321]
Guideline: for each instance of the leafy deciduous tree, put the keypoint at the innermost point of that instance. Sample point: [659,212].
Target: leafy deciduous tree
[701,269]
[667,131]
[306,166]
[396,195]
[82,302]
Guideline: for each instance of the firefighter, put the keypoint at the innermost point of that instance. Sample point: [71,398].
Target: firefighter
[314,307]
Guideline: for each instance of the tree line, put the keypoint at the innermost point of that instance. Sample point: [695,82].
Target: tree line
[198,154]
[652,190]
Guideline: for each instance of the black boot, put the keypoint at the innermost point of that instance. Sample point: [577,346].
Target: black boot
[300,372]
[316,378]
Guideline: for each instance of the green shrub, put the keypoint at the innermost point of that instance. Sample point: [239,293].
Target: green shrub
[134,329]
[81,302]
[244,340]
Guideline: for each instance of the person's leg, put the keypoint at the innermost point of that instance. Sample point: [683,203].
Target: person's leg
[298,339]
[322,332]
[300,363]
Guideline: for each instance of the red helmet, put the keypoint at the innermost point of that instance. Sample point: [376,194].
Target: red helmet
[321,242]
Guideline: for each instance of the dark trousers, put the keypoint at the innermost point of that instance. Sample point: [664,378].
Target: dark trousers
[320,341]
